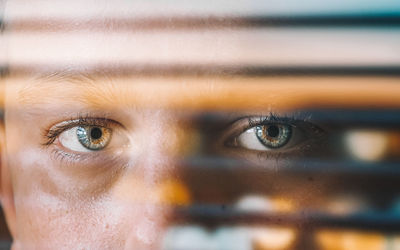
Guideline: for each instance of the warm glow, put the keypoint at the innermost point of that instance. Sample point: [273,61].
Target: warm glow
[367,145]
[350,240]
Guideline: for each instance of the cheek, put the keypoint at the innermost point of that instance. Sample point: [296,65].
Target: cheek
[48,219]
[61,226]
[50,214]
[65,206]
[101,224]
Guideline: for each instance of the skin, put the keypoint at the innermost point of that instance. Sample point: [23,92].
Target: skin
[116,198]
[121,197]
[105,212]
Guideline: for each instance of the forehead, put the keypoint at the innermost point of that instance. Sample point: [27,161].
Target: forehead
[205,93]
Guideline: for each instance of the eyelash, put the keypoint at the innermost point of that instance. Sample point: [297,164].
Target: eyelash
[257,120]
[68,158]
[272,118]
[52,133]
[292,120]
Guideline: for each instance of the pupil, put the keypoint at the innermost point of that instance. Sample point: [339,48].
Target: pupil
[273,131]
[96,133]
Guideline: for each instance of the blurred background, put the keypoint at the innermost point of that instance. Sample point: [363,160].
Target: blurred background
[336,61]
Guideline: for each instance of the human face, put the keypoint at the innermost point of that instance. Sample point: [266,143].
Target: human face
[97,156]
[119,192]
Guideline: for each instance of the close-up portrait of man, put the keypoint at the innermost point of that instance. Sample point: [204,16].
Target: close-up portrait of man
[200,125]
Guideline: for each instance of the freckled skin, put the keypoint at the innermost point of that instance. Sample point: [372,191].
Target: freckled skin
[119,197]
[107,202]
[56,205]
[105,199]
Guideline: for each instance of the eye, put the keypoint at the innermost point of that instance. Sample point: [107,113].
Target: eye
[86,138]
[275,133]
[266,137]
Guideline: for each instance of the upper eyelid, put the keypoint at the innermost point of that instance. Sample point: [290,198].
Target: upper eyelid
[244,123]
[52,133]
[263,120]
[292,121]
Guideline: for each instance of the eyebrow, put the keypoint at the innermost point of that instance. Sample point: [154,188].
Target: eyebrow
[102,90]
[69,85]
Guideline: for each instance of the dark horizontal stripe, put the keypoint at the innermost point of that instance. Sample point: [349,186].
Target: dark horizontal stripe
[213,70]
[3,71]
[367,117]
[376,182]
[341,118]
[214,215]
[1,25]
[207,22]
[297,166]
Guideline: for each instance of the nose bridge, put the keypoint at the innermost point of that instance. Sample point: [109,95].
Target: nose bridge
[166,138]
[153,184]
[163,136]
[168,142]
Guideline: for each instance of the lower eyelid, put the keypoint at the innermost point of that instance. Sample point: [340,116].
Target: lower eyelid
[86,160]
[62,156]
[271,157]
